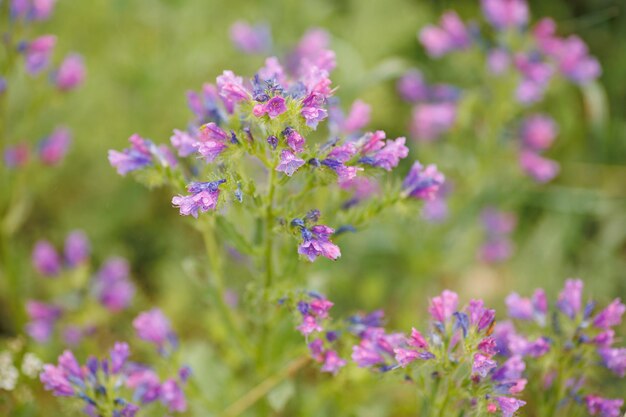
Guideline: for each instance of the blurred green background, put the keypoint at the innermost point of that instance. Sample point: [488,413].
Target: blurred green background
[143,55]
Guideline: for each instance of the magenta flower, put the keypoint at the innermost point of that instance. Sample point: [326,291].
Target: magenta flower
[289,163]
[358,117]
[16,156]
[204,197]
[509,405]
[505,14]
[112,287]
[519,307]
[56,380]
[211,141]
[172,396]
[540,169]
[31,9]
[452,35]
[250,39]
[230,88]
[53,148]
[498,222]
[412,87]
[77,248]
[205,104]
[312,51]
[42,317]
[423,183]
[313,109]
[274,107]
[294,139]
[138,156]
[603,407]
[431,120]
[496,250]
[498,61]
[152,326]
[316,242]
[538,131]
[483,365]
[71,73]
[378,153]
[570,299]
[442,306]
[37,53]
[184,142]
[45,259]
[614,359]
[309,325]
[611,316]
[332,362]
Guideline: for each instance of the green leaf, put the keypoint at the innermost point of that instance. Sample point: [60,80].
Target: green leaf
[228,230]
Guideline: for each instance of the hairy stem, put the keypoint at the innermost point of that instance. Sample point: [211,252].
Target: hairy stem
[215,262]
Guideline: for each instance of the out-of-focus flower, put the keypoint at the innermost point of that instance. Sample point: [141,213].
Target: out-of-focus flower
[112,286]
[431,120]
[423,183]
[451,35]
[37,53]
[505,14]
[54,148]
[540,169]
[77,248]
[45,259]
[251,39]
[71,73]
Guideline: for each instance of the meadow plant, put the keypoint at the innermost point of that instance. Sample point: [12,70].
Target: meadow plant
[569,350]
[27,59]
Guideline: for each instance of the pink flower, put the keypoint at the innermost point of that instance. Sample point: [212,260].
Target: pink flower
[450,36]
[442,306]
[540,169]
[538,131]
[431,120]
[504,14]
[71,73]
[289,163]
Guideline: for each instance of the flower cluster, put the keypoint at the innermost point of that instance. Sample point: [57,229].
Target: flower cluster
[498,225]
[268,126]
[569,343]
[114,386]
[110,286]
[456,355]
[529,65]
[37,55]
[313,309]
[10,368]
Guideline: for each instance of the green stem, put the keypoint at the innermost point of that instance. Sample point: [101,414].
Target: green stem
[259,391]
[215,261]
[268,255]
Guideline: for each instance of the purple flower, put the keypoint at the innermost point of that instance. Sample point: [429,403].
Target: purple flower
[71,73]
[37,53]
[138,156]
[450,36]
[518,307]
[498,61]
[113,287]
[211,141]
[312,51]
[332,362]
[53,148]
[366,354]
[31,9]
[313,109]
[205,105]
[412,87]
[77,248]
[309,325]
[483,365]
[56,380]
[119,354]
[431,120]
[45,259]
[16,156]
[570,299]
[496,250]
[289,163]
[443,306]
[538,132]
[294,140]
[540,169]
[316,242]
[423,183]
[250,39]
[172,396]
[358,117]
[498,222]
[145,382]
[230,88]
[603,407]
[614,359]
[152,326]
[184,142]
[611,316]
[274,107]
[480,316]
[42,317]
[509,405]
[204,197]
[572,57]
[504,14]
